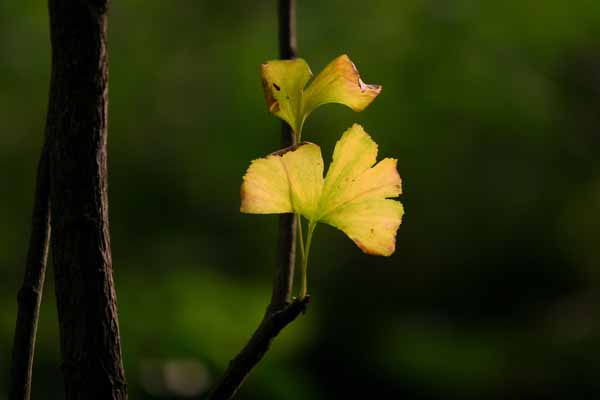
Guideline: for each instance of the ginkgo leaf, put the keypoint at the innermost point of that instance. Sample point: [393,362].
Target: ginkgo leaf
[354,196]
[339,83]
[290,180]
[371,224]
[284,84]
[266,188]
[304,168]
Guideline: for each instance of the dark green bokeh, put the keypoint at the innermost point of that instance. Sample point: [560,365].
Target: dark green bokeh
[492,109]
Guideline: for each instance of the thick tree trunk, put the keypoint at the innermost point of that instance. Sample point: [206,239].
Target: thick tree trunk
[77,122]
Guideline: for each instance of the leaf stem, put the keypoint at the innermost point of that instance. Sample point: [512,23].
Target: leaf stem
[304,264]
[300,234]
[299,133]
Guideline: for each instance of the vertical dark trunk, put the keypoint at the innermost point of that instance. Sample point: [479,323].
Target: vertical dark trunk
[77,122]
[30,294]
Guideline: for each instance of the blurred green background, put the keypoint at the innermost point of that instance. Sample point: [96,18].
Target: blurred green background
[493,111]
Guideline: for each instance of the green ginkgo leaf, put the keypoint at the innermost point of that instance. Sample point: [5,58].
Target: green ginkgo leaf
[354,196]
[284,84]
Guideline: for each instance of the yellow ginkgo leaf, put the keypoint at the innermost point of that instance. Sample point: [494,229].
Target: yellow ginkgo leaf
[284,84]
[353,197]
[290,180]
[266,188]
[355,192]
[371,224]
[339,83]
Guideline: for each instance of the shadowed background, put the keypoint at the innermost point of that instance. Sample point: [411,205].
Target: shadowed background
[492,109]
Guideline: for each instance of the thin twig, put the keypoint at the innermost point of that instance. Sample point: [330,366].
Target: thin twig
[282,310]
[30,294]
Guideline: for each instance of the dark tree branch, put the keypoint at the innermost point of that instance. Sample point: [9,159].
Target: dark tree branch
[282,310]
[81,253]
[256,348]
[286,256]
[30,294]
[287,29]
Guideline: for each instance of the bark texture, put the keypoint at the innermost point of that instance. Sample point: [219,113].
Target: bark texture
[30,294]
[77,122]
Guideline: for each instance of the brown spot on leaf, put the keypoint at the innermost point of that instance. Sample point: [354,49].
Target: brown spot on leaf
[274,107]
[271,102]
[368,87]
